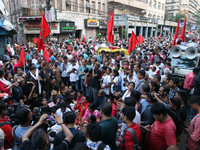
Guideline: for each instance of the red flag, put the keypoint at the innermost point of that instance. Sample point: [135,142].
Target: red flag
[112,29]
[195,39]
[44,32]
[176,33]
[140,39]
[46,56]
[84,39]
[182,35]
[22,58]
[159,36]
[35,40]
[68,47]
[132,43]
[109,29]
[189,32]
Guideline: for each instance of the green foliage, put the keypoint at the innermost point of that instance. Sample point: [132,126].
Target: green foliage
[197,17]
[125,32]
[169,16]
[180,16]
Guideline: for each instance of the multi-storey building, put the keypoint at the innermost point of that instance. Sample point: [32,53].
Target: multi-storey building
[188,7]
[141,16]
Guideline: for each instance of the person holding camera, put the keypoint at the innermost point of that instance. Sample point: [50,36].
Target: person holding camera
[82,72]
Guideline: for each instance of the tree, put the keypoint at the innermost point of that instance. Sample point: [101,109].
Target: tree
[169,16]
[180,16]
[197,17]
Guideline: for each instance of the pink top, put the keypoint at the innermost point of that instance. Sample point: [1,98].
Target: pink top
[75,55]
[188,84]
[96,113]
[193,140]
[79,99]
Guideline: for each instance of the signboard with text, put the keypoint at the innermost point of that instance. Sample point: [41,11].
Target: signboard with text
[90,23]
[67,27]
[33,27]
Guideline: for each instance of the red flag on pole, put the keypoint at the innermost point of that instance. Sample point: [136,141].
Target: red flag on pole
[109,29]
[182,35]
[44,32]
[176,33]
[46,56]
[112,29]
[140,39]
[84,39]
[132,43]
[159,36]
[22,58]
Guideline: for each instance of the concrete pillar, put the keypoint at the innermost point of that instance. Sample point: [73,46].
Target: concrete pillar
[146,32]
[141,30]
[135,29]
[151,34]
[172,34]
[156,31]
[165,31]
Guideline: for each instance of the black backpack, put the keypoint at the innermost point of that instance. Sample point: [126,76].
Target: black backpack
[17,93]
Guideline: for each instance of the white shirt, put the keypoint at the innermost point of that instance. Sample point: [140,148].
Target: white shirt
[73,76]
[126,95]
[69,56]
[59,112]
[12,51]
[116,82]
[34,61]
[106,80]
[133,79]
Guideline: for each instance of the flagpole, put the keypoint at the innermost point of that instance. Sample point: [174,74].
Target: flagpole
[24,66]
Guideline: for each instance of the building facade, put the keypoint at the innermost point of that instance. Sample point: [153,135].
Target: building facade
[188,7]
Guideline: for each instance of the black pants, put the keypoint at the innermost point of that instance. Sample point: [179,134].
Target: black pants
[186,96]
[66,81]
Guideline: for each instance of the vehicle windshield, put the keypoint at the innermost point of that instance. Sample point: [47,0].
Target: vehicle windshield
[183,62]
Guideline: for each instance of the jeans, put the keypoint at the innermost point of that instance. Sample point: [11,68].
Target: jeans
[76,84]
[66,81]
[92,94]
[83,88]
[192,113]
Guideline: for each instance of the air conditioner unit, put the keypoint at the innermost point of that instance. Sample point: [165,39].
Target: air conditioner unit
[88,6]
[68,3]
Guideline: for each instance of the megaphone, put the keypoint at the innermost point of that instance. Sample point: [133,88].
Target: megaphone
[176,51]
[191,52]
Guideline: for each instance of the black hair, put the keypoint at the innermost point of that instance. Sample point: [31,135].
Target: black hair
[153,100]
[69,117]
[195,100]
[104,67]
[136,95]
[80,91]
[130,101]
[154,84]
[157,76]
[181,93]
[93,118]
[94,131]
[176,102]
[1,72]
[39,138]
[22,115]
[2,106]
[168,64]
[6,75]
[131,70]
[116,72]
[142,73]
[154,53]
[129,112]
[118,66]
[138,65]
[91,106]
[109,69]
[81,145]
[175,80]
[146,88]
[56,88]
[195,70]
[73,87]
[117,61]
[158,108]
[169,59]
[106,108]
[166,89]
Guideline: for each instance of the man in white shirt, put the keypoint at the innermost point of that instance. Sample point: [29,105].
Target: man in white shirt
[72,70]
[193,44]
[69,54]
[12,51]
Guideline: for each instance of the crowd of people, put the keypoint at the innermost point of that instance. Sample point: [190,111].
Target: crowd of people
[101,100]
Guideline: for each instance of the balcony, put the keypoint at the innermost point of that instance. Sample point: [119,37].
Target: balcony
[132,3]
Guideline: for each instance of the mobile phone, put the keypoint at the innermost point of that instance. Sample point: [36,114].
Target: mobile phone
[145,128]
[184,126]
[50,118]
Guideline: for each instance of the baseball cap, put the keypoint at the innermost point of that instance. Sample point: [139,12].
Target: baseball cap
[101,91]
[2,136]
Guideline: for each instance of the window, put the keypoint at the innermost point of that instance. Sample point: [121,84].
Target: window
[159,5]
[93,7]
[81,6]
[99,8]
[163,7]
[103,8]
[158,17]
[155,4]
[150,3]
[75,6]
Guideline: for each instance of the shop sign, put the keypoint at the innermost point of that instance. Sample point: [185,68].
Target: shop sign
[92,23]
[33,27]
[67,27]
